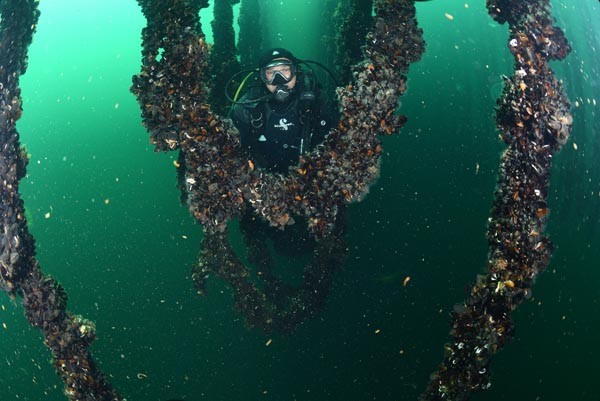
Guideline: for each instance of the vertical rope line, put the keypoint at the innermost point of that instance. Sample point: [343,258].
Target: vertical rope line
[534,121]
[69,337]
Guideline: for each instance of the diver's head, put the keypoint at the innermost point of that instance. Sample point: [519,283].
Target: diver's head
[278,68]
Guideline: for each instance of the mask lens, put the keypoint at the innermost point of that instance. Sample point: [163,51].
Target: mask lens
[278,73]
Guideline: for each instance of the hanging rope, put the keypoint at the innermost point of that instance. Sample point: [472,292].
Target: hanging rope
[222,184]
[222,59]
[69,337]
[278,306]
[249,42]
[534,120]
[353,22]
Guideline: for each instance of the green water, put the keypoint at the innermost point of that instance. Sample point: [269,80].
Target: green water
[122,246]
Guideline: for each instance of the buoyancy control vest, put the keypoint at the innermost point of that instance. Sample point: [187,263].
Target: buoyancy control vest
[275,134]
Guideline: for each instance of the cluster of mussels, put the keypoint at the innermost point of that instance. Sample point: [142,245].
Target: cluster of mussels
[221,184]
[219,181]
[14,40]
[353,22]
[249,44]
[44,300]
[169,88]
[343,167]
[534,119]
[222,59]
[280,306]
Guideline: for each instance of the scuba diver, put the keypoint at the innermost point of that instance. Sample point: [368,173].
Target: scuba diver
[280,118]
[283,117]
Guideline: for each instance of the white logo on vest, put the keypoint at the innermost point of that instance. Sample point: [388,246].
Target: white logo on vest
[283,124]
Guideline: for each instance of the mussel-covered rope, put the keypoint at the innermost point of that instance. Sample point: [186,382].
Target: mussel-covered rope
[69,337]
[222,59]
[279,307]
[222,184]
[249,43]
[220,181]
[353,20]
[534,119]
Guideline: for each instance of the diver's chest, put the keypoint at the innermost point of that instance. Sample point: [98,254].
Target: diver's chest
[283,128]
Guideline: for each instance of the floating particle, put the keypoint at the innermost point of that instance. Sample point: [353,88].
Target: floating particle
[141,376]
[466,5]
[574,146]
[449,16]
[269,341]
[47,215]
[176,164]
[401,352]
[116,105]
[4,326]
[594,101]
[576,103]
[377,331]
[406,280]
[184,237]
[106,201]
[476,168]
[3,308]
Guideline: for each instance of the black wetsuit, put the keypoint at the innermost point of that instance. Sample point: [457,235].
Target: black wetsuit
[274,134]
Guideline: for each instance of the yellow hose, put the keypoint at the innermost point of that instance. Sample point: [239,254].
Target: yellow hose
[239,89]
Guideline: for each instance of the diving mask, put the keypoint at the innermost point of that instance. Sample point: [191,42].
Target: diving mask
[278,72]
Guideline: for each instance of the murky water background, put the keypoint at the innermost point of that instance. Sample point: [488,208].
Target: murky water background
[106,216]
